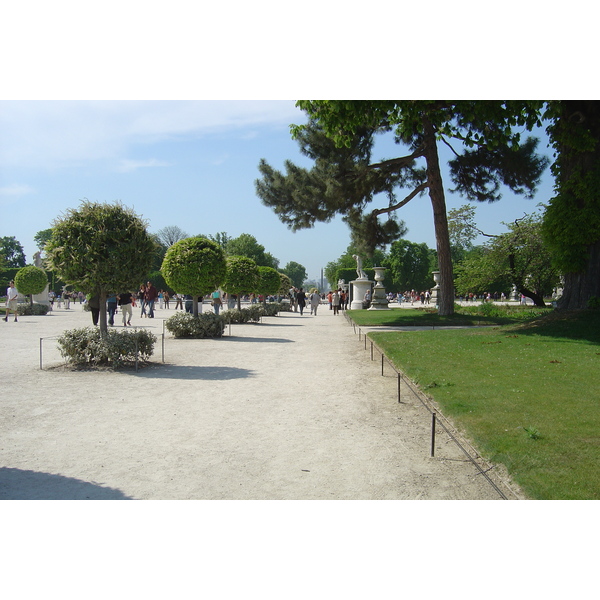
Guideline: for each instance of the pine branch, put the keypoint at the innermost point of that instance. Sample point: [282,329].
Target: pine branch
[420,188]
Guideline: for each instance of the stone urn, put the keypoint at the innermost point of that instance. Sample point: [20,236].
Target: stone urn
[379,300]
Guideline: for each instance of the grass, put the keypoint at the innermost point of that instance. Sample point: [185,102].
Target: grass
[527,394]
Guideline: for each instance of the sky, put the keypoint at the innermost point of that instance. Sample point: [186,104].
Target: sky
[192,164]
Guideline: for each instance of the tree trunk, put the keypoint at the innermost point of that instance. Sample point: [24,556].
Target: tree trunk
[102,320]
[195,305]
[580,287]
[440,220]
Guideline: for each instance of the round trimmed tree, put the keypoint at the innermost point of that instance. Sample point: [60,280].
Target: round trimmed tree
[268,283]
[194,266]
[100,248]
[31,280]
[242,277]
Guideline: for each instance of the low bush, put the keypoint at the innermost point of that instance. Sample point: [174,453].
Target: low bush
[205,325]
[35,309]
[253,313]
[118,348]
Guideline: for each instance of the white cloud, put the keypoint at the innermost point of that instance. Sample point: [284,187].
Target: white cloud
[126,165]
[15,190]
[51,134]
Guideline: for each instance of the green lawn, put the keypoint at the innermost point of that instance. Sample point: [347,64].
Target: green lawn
[527,394]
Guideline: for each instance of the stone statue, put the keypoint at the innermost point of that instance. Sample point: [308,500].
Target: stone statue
[359,270]
[37,259]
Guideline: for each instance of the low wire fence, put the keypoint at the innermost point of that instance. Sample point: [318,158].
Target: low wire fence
[437,419]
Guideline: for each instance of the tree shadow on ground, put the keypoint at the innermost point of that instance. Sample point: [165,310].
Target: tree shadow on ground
[234,338]
[209,373]
[19,484]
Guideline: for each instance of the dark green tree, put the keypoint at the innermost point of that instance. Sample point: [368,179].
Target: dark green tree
[194,266]
[268,282]
[410,266]
[296,272]
[247,245]
[100,248]
[12,252]
[488,155]
[41,238]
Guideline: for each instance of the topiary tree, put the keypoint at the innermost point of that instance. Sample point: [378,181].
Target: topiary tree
[194,266]
[269,282]
[31,280]
[100,248]
[242,277]
[285,284]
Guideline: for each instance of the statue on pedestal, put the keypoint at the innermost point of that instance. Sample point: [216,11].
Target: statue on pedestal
[359,270]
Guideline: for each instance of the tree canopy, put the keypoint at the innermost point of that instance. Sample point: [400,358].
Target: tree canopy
[100,248]
[31,280]
[242,276]
[12,252]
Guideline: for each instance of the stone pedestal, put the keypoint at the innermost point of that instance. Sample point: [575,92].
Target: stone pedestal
[379,300]
[359,289]
[42,298]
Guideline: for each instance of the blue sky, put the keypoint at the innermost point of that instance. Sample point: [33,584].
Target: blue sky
[187,163]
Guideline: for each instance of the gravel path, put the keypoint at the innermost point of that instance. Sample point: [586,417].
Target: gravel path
[291,408]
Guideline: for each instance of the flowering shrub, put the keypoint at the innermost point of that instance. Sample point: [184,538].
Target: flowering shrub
[117,349]
[205,325]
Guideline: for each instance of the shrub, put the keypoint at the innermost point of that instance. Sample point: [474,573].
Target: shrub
[117,348]
[205,325]
[253,314]
[32,309]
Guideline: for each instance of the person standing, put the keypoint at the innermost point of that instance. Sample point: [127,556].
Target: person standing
[301,299]
[216,301]
[315,300]
[150,297]
[126,310]
[111,306]
[178,301]
[11,300]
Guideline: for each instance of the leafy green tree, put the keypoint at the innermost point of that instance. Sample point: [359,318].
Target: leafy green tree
[41,238]
[242,277]
[490,153]
[462,230]
[12,252]
[478,273]
[296,272]
[247,245]
[285,285]
[268,283]
[194,266]
[100,248]
[31,280]
[409,265]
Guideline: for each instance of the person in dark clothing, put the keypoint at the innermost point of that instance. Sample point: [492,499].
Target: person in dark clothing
[94,304]
[301,299]
[150,297]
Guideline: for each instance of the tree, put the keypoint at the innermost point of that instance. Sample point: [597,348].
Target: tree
[488,127]
[170,235]
[571,225]
[13,253]
[41,238]
[519,257]
[31,280]
[462,231]
[296,272]
[194,266]
[409,265]
[268,282]
[247,245]
[100,248]
[285,284]
[242,277]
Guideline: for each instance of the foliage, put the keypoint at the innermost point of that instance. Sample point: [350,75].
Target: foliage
[269,281]
[32,309]
[100,248]
[410,266]
[205,325]
[254,313]
[462,231]
[242,276]
[41,238]
[247,245]
[12,252]
[194,266]
[296,272]
[285,285]
[118,348]
[31,280]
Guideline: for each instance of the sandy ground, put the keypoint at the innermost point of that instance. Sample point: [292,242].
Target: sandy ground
[292,408]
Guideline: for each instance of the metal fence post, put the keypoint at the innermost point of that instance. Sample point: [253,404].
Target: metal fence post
[433,419]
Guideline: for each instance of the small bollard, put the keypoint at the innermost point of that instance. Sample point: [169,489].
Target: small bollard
[433,419]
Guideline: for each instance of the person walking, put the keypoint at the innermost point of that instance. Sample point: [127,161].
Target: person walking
[126,310]
[335,301]
[111,306]
[315,300]
[216,301]
[11,300]
[150,298]
[301,299]
[142,298]
[94,304]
